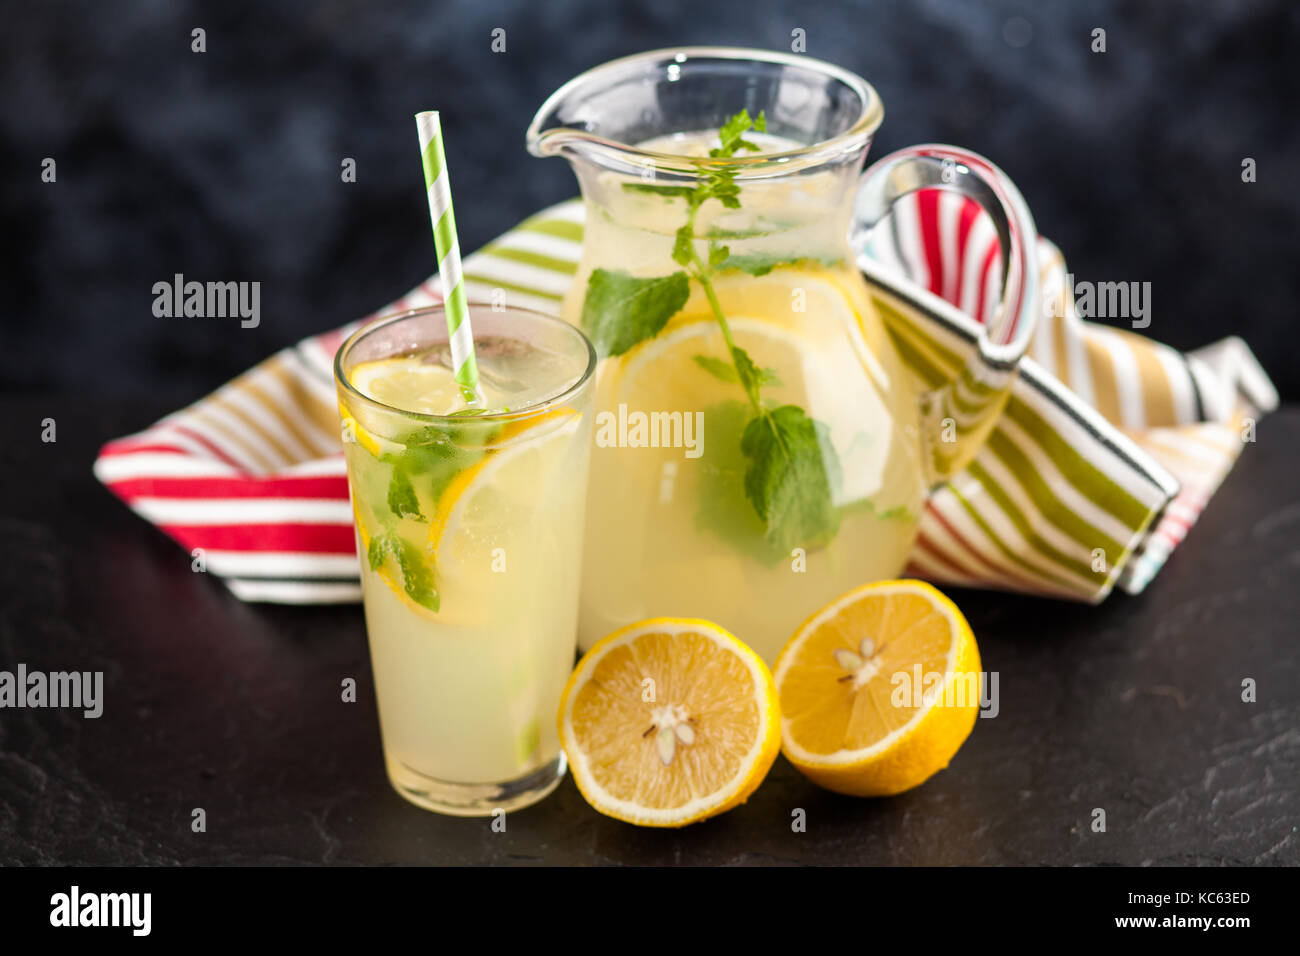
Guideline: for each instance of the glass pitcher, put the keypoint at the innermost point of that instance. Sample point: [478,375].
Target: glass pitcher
[760,448]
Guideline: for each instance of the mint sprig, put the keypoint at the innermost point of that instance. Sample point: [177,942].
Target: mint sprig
[726,372]
[417,574]
[790,466]
[760,264]
[790,478]
[621,310]
[421,471]
[402,500]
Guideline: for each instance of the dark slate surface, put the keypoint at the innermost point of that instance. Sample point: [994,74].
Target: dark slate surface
[224,166]
[1133,706]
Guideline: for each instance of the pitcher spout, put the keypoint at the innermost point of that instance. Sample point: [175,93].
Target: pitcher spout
[602,117]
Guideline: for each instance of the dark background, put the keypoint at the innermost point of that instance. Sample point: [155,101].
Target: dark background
[225,165]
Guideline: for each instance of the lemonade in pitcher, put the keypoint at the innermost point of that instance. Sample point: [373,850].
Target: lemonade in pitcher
[760,447]
[792,371]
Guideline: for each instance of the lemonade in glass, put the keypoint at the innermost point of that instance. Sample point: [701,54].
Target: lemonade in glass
[469,528]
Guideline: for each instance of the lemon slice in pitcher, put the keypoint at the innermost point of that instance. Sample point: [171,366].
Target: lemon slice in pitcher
[668,722]
[878,689]
[684,358]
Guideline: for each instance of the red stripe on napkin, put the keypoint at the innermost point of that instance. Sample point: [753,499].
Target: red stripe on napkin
[312,538]
[323,486]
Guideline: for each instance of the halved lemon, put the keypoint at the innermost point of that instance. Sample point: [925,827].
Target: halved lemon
[668,722]
[878,689]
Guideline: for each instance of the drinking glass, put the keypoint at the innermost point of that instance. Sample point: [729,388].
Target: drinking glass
[469,530]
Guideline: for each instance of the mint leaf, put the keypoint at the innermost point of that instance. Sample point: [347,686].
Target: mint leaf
[723,188]
[747,373]
[683,249]
[760,264]
[755,265]
[723,510]
[416,566]
[433,456]
[789,477]
[730,137]
[718,254]
[621,309]
[469,431]
[413,563]
[430,467]
[760,228]
[681,192]
[381,546]
[402,500]
[717,368]
[726,372]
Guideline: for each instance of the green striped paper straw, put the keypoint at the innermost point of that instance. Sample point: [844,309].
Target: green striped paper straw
[459,333]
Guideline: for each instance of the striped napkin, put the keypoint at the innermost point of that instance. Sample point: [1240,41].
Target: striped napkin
[1110,446]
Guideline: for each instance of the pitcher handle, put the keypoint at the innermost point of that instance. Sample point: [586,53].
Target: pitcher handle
[958,416]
